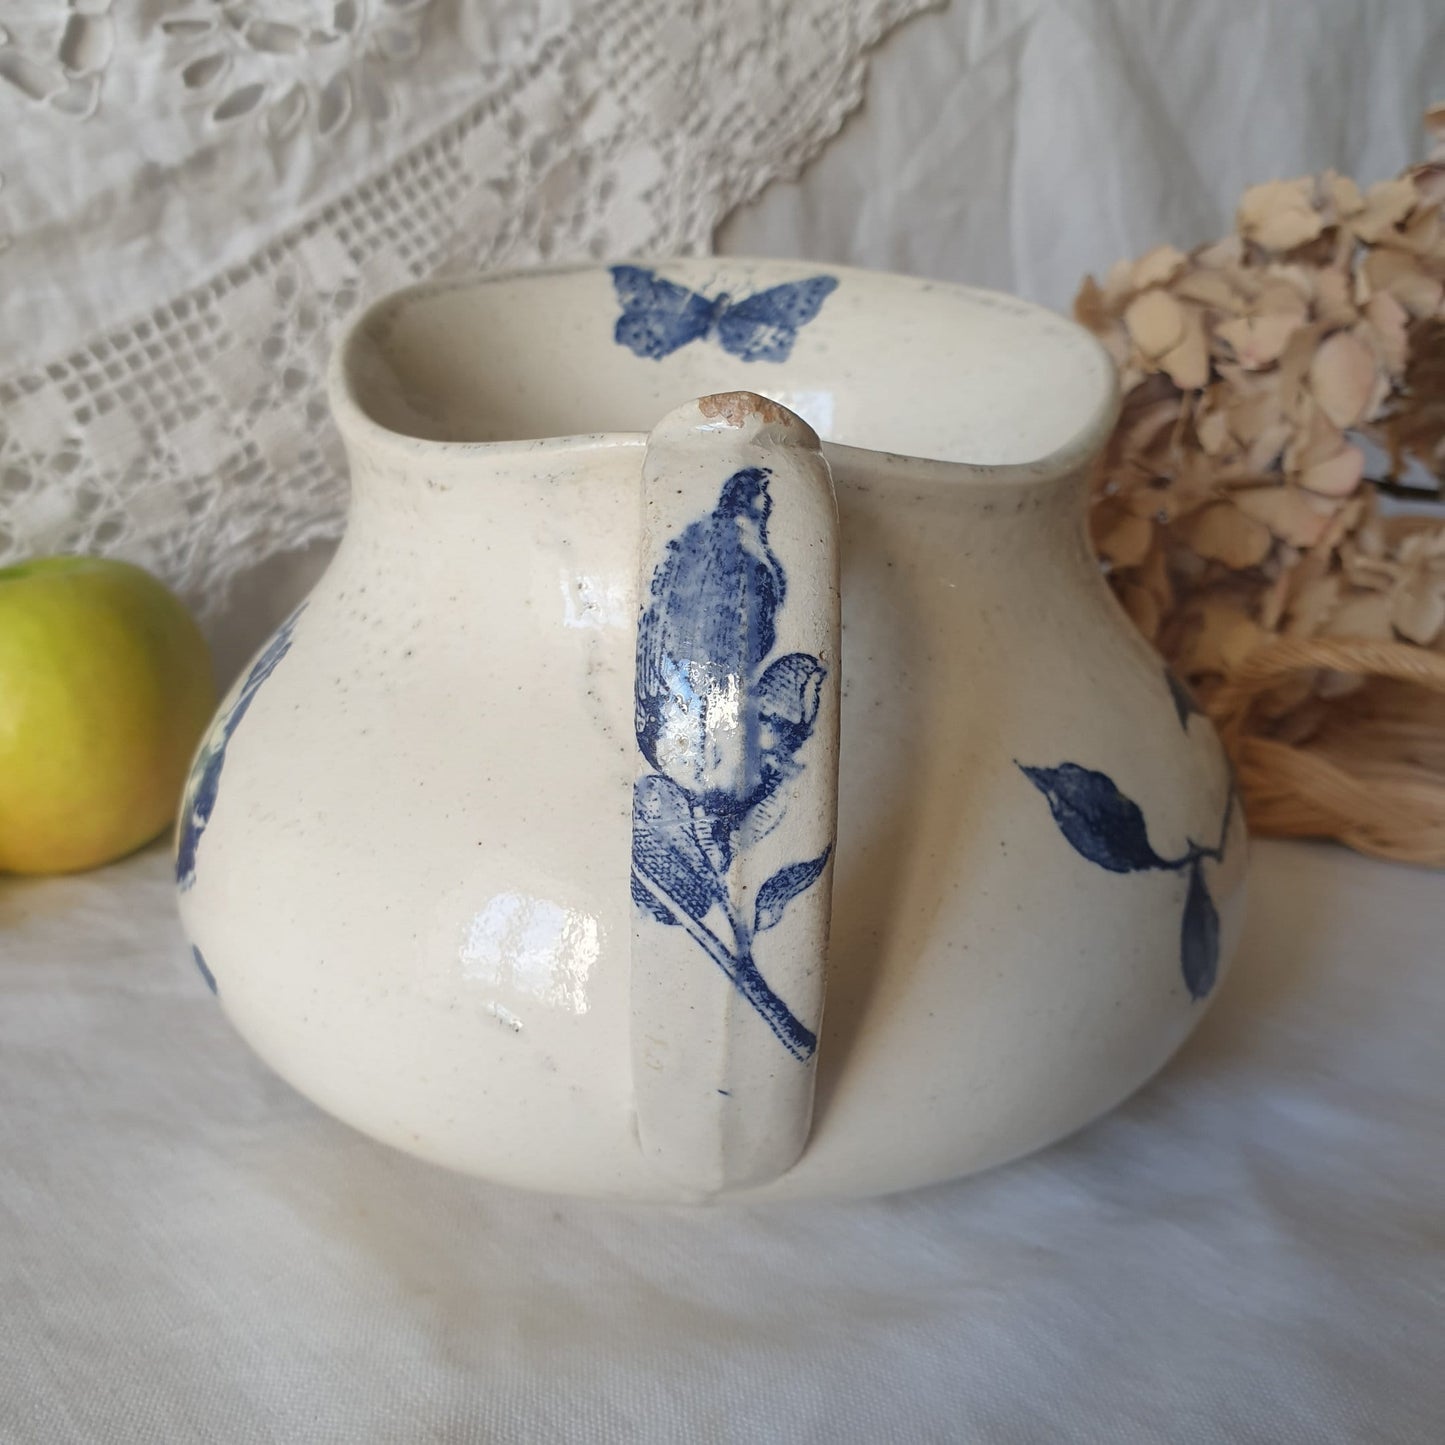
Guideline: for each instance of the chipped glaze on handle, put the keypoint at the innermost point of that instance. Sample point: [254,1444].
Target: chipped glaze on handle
[735,796]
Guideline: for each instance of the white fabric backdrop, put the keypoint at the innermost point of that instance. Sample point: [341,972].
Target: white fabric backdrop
[1023,143]
[1249,1250]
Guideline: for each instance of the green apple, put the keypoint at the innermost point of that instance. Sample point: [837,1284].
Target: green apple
[105,688]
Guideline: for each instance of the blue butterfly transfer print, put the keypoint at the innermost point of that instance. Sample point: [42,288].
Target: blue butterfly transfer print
[1103,825]
[722,726]
[660,316]
[200,795]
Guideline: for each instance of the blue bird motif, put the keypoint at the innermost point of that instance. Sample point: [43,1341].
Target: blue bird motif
[723,727]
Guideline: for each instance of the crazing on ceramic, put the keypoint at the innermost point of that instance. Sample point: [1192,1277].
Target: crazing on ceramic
[582,843]
[658,316]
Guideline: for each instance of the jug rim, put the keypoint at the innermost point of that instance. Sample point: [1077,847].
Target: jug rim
[366,327]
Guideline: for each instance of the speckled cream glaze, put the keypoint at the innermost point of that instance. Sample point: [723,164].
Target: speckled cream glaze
[411,848]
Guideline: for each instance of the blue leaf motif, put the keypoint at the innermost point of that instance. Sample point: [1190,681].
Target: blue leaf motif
[1199,936]
[204,969]
[665,850]
[1108,829]
[1102,824]
[784,886]
[199,801]
[644,898]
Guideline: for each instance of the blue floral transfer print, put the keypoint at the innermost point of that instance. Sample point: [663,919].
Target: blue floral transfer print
[200,796]
[1107,828]
[659,316]
[722,726]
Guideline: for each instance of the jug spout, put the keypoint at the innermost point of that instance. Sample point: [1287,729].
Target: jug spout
[735,795]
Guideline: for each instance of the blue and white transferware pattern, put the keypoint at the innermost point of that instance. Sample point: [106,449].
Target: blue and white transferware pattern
[1108,828]
[722,721]
[205,778]
[734,803]
[659,316]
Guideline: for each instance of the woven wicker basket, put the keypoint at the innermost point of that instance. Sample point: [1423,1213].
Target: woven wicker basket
[1373,775]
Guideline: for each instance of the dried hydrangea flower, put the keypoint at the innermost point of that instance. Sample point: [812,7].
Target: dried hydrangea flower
[1259,371]
[1276,382]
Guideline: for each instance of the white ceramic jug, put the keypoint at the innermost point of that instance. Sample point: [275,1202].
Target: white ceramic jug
[535,841]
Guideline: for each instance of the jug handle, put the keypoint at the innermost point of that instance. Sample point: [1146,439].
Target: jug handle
[734,803]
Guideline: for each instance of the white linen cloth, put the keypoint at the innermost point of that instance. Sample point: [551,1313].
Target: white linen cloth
[1022,143]
[1250,1250]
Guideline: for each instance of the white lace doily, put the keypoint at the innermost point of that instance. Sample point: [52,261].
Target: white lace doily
[193,194]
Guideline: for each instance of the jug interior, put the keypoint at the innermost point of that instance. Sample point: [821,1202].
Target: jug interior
[887,363]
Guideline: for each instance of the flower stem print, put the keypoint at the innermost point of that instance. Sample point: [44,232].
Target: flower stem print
[1107,828]
[200,796]
[722,726]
